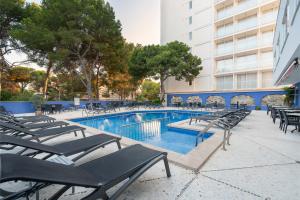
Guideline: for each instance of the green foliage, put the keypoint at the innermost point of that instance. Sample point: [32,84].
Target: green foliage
[161,62]
[257,108]
[37,100]
[37,79]
[149,91]
[6,95]
[11,13]
[26,95]
[21,75]
[71,38]
[289,96]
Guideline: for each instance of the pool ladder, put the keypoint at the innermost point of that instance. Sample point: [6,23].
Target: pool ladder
[220,124]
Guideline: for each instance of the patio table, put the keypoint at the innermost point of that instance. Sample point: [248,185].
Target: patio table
[296,115]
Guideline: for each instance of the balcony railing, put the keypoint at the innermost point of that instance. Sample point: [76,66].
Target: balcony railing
[234,10]
[221,32]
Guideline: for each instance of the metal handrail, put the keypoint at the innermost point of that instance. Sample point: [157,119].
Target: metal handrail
[206,128]
[158,119]
[146,129]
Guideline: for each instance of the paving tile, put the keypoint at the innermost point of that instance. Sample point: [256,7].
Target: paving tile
[204,188]
[274,182]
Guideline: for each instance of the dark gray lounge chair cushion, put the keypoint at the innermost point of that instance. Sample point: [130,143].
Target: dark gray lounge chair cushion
[54,131]
[4,139]
[105,171]
[77,146]
[45,125]
[120,165]
[14,167]
[44,132]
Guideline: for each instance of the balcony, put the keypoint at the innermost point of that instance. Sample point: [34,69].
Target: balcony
[245,6]
[242,46]
[246,24]
[231,11]
[241,29]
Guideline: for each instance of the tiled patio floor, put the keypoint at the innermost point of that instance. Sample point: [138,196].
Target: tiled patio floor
[260,163]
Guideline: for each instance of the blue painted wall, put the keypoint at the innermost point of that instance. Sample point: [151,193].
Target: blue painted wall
[297,95]
[18,107]
[257,96]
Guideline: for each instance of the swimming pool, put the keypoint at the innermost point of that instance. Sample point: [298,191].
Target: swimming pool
[149,127]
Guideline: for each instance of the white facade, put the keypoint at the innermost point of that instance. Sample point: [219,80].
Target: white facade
[287,43]
[232,37]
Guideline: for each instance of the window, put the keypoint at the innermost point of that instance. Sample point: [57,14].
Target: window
[246,81]
[190,5]
[190,20]
[246,23]
[225,47]
[225,65]
[224,83]
[244,43]
[245,62]
[190,36]
[267,38]
[266,59]
[268,16]
[225,12]
[267,80]
[225,29]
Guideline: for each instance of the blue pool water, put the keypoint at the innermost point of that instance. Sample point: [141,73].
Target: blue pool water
[149,127]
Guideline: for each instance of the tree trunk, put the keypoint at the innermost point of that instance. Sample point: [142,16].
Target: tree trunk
[46,81]
[2,65]
[22,87]
[89,86]
[162,90]
[97,83]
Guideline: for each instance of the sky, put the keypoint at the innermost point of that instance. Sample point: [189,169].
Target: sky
[140,21]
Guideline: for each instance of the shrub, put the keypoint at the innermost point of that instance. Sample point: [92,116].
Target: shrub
[6,95]
[22,96]
[37,100]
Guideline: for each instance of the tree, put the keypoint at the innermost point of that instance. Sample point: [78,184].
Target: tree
[21,75]
[119,80]
[39,42]
[150,91]
[37,80]
[88,36]
[161,62]
[11,13]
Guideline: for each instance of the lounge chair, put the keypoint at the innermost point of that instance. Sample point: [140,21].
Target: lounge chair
[288,120]
[121,167]
[34,125]
[50,133]
[81,147]
[29,119]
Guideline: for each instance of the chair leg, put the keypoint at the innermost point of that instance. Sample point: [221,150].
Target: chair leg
[280,125]
[285,128]
[83,134]
[167,167]
[119,145]
[60,192]
[98,193]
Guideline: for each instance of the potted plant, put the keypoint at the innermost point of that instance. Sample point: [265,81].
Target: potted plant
[37,101]
[289,96]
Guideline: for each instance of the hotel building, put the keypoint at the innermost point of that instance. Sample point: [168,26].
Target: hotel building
[234,39]
[287,46]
